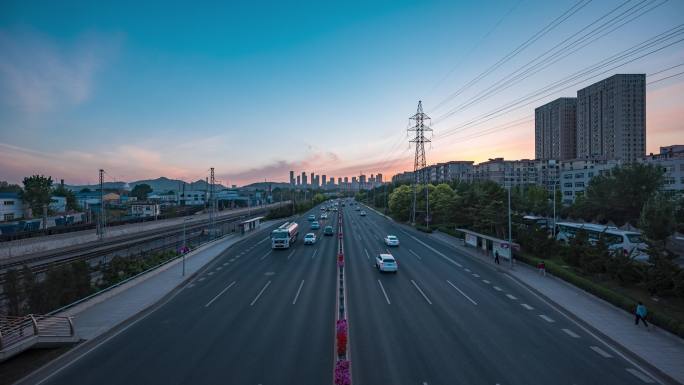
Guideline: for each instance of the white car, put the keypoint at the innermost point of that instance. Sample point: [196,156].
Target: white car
[363,213]
[310,239]
[392,240]
[386,262]
[324,216]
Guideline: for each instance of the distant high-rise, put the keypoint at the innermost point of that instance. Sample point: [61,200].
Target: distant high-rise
[554,129]
[299,180]
[339,180]
[362,179]
[611,118]
[292,178]
[353,180]
[304,181]
[346,179]
[378,178]
[324,180]
[313,178]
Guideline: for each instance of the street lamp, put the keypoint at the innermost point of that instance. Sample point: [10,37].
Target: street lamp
[185,248]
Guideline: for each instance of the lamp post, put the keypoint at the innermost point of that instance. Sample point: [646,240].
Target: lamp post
[184,249]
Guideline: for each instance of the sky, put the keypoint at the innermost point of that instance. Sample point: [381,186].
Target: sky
[256,89]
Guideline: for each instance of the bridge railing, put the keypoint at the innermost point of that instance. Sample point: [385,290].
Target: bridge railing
[15,330]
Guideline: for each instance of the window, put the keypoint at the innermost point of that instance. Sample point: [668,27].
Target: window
[9,217]
[579,184]
[579,175]
[567,184]
[567,193]
[8,203]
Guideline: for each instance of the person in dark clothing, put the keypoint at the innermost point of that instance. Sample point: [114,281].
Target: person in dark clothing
[496,257]
[640,314]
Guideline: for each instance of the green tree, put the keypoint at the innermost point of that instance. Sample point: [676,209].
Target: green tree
[12,290]
[36,193]
[32,291]
[657,219]
[441,204]
[62,191]
[661,272]
[400,201]
[140,191]
[8,187]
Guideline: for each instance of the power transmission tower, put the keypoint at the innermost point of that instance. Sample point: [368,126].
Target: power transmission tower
[100,219]
[420,127]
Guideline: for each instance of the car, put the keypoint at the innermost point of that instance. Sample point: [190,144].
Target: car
[311,218]
[328,230]
[324,216]
[323,208]
[357,208]
[335,209]
[392,240]
[310,239]
[315,225]
[386,263]
[363,213]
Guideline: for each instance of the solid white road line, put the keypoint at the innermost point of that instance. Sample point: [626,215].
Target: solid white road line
[526,306]
[298,290]
[367,255]
[314,254]
[266,255]
[601,352]
[497,288]
[260,293]
[462,293]
[219,294]
[384,292]
[290,255]
[421,292]
[640,375]
[511,296]
[571,333]
[546,318]
[433,249]
[414,253]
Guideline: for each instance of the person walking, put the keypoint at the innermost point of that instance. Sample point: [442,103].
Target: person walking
[496,257]
[542,268]
[640,314]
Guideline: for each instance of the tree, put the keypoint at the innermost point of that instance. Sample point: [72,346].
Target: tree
[400,201]
[12,290]
[62,191]
[7,187]
[441,202]
[85,190]
[140,191]
[657,219]
[36,193]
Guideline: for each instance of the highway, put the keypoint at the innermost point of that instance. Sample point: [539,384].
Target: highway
[256,316]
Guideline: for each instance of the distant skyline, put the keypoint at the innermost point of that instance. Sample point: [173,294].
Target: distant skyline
[256,90]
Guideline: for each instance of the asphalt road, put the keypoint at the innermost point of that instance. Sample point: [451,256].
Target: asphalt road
[257,316]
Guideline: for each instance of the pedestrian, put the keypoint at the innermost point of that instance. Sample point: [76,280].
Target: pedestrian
[496,257]
[640,314]
[542,268]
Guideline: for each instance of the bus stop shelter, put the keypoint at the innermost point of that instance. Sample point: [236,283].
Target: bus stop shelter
[487,244]
[249,225]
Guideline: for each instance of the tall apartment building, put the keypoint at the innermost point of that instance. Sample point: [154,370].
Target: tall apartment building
[324,179]
[554,129]
[292,178]
[304,181]
[378,178]
[611,119]
[299,180]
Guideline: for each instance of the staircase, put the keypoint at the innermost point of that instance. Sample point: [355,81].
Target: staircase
[34,331]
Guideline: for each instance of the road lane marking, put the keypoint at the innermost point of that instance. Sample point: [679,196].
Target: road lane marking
[290,255]
[260,293]
[201,279]
[298,290]
[497,288]
[526,306]
[414,253]
[601,352]
[476,275]
[571,333]
[511,296]
[226,263]
[433,249]
[485,281]
[421,292]
[640,375]
[219,268]
[314,254]
[467,270]
[190,285]
[384,292]
[462,293]
[210,273]
[546,318]
[367,255]
[232,259]
[219,294]
[266,255]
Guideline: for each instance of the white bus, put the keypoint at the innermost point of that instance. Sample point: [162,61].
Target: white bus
[284,236]
[630,242]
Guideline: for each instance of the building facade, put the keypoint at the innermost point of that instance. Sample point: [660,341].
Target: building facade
[554,129]
[11,206]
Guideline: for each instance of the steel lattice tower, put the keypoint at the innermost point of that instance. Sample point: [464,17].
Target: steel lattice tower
[420,127]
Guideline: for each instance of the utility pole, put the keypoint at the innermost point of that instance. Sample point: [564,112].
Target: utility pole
[100,220]
[212,203]
[510,233]
[419,163]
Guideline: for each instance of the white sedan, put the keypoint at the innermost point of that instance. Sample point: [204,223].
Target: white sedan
[386,262]
[392,240]
[310,239]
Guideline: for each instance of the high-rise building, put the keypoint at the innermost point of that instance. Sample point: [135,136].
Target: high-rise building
[378,178]
[292,178]
[554,129]
[339,180]
[611,118]
[299,180]
[317,180]
[313,179]
[346,179]
[324,180]
[304,182]
[362,179]
[353,180]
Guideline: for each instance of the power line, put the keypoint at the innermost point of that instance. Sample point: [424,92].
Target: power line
[665,78]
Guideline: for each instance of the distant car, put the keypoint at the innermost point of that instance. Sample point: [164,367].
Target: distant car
[391,240]
[386,263]
[315,225]
[324,216]
[311,218]
[328,230]
[310,239]
[335,209]
[322,208]
[363,213]
[357,208]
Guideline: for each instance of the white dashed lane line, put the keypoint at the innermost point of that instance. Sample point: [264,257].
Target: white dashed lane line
[219,294]
[367,255]
[511,296]
[298,291]
[260,293]
[497,288]
[571,333]
[640,375]
[290,255]
[421,292]
[546,318]
[601,352]
[414,253]
[526,306]
[266,255]
[485,281]
[462,293]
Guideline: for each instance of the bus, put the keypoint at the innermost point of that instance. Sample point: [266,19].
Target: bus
[284,236]
[630,242]
[532,220]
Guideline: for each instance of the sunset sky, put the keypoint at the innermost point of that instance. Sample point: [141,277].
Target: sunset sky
[256,89]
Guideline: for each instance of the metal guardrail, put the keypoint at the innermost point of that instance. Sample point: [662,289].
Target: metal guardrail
[14,330]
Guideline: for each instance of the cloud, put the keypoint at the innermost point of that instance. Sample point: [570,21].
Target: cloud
[39,75]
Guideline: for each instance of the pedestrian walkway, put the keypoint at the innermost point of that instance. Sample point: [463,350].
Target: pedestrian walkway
[659,348]
[100,314]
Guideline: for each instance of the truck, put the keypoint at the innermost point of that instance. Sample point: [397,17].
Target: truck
[285,235]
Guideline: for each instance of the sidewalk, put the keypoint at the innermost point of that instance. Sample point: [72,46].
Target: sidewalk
[103,312]
[659,348]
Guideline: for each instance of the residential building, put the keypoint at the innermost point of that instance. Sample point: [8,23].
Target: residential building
[378,178]
[58,204]
[324,180]
[144,209]
[304,181]
[299,180]
[339,181]
[576,173]
[554,129]
[611,119]
[671,160]
[11,206]
[292,179]
[193,197]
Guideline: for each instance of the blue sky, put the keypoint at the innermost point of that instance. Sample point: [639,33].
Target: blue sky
[255,89]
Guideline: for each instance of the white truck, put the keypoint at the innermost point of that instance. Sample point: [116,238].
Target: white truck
[284,236]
